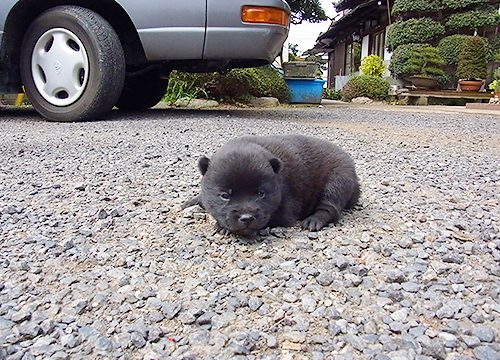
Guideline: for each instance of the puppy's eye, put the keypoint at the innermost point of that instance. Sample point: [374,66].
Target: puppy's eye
[262,193]
[225,196]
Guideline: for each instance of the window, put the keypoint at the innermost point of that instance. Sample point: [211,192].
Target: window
[377,44]
[352,58]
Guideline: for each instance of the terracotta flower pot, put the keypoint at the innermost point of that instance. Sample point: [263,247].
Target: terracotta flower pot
[470,85]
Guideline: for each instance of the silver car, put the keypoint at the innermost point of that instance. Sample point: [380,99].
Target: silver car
[78,61]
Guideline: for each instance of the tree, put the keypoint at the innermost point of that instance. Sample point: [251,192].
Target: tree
[293,51]
[306,10]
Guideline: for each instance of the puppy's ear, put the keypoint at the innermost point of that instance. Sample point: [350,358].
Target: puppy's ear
[276,164]
[203,164]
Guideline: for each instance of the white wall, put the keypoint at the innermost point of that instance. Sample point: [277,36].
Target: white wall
[365,43]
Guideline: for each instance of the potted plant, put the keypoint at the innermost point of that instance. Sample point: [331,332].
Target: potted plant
[423,67]
[494,86]
[472,64]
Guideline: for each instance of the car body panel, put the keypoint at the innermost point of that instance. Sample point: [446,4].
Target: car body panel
[5,7]
[168,34]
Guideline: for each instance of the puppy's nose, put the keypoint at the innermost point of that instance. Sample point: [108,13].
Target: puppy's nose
[246,218]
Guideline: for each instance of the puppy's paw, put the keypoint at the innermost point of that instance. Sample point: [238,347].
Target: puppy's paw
[194,201]
[218,229]
[313,223]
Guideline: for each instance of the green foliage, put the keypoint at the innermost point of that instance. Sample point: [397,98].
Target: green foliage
[456,4]
[237,84]
[370,86]
[293,52]
[180,87]
[472,63]
[306,10]
[495,84]
[496,73]
[372,65]
[332,94]
[424,62]
[400,57]
[413,30]
[450,47]
[403,6]
[266,81]
[406,6]
[474,19]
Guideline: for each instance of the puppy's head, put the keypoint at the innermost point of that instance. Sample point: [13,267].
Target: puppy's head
[241,188]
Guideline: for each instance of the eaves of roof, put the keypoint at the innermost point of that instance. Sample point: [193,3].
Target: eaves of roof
[346,25]
[347,4]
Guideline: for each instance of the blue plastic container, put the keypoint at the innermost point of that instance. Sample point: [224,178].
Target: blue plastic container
[305,91]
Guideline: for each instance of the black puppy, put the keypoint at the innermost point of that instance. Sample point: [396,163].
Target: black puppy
[258,181]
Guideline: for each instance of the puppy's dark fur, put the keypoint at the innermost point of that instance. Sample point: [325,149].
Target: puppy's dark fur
[255,181]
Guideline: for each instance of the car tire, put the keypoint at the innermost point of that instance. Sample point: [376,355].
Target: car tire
[142,90]
[72,64]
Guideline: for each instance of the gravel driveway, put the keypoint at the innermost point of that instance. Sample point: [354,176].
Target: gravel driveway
[97,260]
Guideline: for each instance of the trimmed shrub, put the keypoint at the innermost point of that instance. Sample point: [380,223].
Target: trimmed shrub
[474,19]
[370,86]
[400,57]
[450,47]
[372,65]
[412,31]
[424,62]
[403,6]
[456,4]
[472,63]
[238,84]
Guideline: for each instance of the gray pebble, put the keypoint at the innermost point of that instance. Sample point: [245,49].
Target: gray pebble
[200,337]
[103,343]
[325,278]
[486,353]
[484,333]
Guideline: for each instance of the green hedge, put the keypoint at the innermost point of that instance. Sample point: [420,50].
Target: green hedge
[450,47]
[456,4]
[370,86]
[474,19]
[403,6]
[413,31]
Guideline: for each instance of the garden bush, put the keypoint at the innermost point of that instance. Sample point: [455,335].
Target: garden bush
[456,4]
[403,6]
[450,47]
[370,86]
[332,94]
[474,19]
[372,65]
[472,62]
[236,85]
[424,61]
[413,30]
[400,57]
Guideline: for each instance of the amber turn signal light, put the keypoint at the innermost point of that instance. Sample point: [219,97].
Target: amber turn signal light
[264,14]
